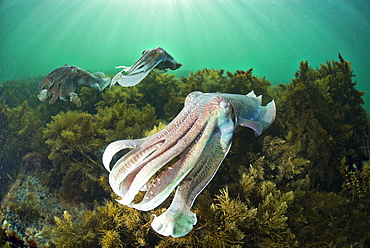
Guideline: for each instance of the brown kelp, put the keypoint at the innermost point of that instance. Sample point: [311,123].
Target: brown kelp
[20,134]
[323,112]
[75,140]
[308,171]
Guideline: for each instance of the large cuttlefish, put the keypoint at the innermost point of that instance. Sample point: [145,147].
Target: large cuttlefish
[156,58]
[199,137]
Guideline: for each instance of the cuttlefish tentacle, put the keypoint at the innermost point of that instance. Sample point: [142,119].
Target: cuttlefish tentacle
[149,59]
[145,151]
[54,90]
[117,146]
[145,171]
[163,185]
[200,137]
[178,219]
[55,80]
[178,135]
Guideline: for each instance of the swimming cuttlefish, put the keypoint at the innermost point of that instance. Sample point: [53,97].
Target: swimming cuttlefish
[200,137]
[156,58]
[63,81]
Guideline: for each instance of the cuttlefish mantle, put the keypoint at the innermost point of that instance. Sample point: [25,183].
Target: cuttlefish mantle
[156,59]
[200,137]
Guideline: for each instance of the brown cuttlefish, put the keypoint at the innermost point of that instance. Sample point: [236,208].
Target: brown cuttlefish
[63,82]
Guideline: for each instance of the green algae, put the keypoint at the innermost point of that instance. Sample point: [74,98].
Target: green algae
[308,171]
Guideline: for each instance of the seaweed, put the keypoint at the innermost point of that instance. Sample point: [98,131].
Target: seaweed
[124,121]
[323,112]
[308,171]
[20,134]
[205,80]
[71,234]
[110,225]
[76,140]
[15,92]
[242,82]
[162,91]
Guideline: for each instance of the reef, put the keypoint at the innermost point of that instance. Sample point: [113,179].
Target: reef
[305,182]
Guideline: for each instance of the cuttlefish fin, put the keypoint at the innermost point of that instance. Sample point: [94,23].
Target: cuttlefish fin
[253,95]
[117,146]
[256,126]
[265,119]
[160,71]
[268,114]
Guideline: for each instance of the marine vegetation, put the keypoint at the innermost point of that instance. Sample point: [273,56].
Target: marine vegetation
[304,182]
[20,134]
[323,112]
[75,140]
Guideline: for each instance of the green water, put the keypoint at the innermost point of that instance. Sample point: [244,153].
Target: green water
[37,36]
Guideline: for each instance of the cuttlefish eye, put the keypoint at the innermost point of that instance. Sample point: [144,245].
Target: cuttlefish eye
[223,104]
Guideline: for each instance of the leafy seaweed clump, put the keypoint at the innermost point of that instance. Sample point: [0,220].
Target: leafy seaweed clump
[77,139]
[109,225]
[323,112]
[20,134]
[15,92]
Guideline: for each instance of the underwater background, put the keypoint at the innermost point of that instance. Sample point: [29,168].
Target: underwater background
[305,182]
[271,36]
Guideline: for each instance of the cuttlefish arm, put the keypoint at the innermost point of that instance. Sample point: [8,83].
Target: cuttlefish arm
[156,58]
[178,219]
[200,136]
[163,185]
[131,172]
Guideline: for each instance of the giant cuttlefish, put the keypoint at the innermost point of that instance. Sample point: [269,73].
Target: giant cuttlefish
[63,81]
[199,137]
[156,58]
